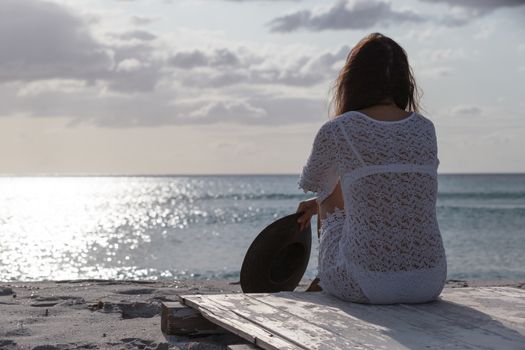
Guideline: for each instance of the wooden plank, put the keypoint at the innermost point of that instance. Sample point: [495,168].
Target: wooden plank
[506,304]
[242,347]
[513,292]
[235,324]
[178,319]
[395,327]
[288,326]
[377,326]
[471,328]
[413,326]
[463,318]
[331,317]
[261,337]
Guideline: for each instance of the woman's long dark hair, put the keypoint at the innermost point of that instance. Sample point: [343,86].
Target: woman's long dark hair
[376,70]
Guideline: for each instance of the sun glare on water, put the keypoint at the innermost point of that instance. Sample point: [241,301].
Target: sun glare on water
[64,227]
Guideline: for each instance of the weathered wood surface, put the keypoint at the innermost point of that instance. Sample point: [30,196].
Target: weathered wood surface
[463,318]
[231,321]
[181,320]
[242,347]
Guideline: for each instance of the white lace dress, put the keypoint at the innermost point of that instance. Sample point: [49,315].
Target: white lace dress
[385,246]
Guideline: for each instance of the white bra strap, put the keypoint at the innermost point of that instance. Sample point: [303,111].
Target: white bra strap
[358,173]
[350,144]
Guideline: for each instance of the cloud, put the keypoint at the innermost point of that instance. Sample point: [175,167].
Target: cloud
[132,75]
[260,0]
[86,105]
[141,35]
[363,14]
[51,65]
[45,41]
[225,111]
[436,72]
[142,20]
[129,65]
[254,110]
[466,110]
[485,5]
[197,58]
[441,55]
[189,59]
[229,67]
[42,40]
[359,14]
[464,11]
[136,69]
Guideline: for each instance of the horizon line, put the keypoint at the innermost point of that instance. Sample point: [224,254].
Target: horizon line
[216,174]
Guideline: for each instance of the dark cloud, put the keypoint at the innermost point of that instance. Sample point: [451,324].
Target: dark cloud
[360,14]
[466,110]
[42,40]
[142,20]
[472,9]
[135,68]
[487,5]
[197,58]
[189,59]
[363,14]
[224,57]
[142,35]
[134,76]
[140,50]
[263,0]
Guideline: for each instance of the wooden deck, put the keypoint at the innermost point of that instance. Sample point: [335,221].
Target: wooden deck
[463,318]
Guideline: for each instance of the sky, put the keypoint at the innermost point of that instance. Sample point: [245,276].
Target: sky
[157,87]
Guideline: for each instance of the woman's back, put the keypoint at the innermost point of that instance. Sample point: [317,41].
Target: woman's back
[388,176]
[388,173]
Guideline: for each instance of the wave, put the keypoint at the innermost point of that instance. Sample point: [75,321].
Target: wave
[481,195]
[302,196]
[485,208]
[238,196]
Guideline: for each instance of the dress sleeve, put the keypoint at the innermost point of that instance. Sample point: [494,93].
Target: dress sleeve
[320,174]
[434,144]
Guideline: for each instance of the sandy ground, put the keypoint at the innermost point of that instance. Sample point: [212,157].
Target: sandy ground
[101,314]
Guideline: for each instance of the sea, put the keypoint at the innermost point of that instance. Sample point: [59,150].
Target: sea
[200,227]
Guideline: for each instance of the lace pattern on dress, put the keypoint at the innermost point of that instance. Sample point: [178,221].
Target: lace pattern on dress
[320,174]
[388,174]
[336,217]
[334,275]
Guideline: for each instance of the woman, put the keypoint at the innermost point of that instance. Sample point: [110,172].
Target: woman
[374,169]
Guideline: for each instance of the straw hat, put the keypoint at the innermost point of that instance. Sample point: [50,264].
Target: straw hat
[277,258]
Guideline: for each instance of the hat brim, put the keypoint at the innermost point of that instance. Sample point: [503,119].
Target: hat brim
[278,257]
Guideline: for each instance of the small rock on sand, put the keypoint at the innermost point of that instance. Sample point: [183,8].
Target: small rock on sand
[6,291]
[7,344]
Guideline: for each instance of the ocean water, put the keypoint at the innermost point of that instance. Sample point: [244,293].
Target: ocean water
[56,228]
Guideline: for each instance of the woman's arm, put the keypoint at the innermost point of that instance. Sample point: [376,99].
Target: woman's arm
[309,208]
[319,175]
[334,200]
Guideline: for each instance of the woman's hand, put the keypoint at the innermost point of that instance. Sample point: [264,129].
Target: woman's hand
[308,208]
